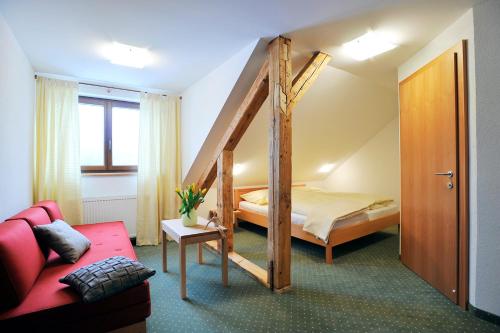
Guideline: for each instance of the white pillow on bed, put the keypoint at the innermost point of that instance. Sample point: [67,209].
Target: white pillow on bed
[259,197]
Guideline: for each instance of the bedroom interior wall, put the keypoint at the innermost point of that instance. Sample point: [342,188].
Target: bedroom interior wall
[339,113]
[204,101]
[374,168]
[486,291]
[17,100]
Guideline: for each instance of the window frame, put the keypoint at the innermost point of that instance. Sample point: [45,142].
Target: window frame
[108,105]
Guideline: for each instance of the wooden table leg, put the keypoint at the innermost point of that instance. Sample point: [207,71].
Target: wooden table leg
[200,253]
[164,244]
[182,265]
[224,262]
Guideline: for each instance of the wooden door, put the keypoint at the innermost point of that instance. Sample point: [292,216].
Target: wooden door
[430,102]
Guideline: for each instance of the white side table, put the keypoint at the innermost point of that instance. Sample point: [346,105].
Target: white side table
[190,235]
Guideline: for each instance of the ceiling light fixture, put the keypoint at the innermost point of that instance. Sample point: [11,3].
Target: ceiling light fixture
[367,46]
[127,55]
[325,168]
[238,168]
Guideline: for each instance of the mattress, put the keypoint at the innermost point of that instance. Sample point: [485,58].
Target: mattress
[370,215]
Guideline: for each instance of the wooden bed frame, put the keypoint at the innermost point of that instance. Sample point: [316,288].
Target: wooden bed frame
[337,236]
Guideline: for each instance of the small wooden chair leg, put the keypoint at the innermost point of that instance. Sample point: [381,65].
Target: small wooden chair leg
[329,254]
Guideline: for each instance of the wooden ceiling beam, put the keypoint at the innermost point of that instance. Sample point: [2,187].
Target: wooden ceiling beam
[244,115]
[306,77]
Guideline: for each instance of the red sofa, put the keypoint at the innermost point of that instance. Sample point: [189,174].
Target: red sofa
[33,299]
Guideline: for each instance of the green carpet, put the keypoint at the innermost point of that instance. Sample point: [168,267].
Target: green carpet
[366,290]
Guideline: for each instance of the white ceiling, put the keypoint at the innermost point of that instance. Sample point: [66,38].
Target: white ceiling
[189,38]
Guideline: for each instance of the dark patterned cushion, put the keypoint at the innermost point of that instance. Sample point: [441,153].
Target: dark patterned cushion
[107,277]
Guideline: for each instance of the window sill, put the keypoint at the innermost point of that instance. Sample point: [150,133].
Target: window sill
[124,173]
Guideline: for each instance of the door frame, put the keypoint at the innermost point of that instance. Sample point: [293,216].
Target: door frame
[461,79]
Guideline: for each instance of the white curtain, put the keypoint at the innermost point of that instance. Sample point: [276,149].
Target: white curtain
[57,172]
[159,165]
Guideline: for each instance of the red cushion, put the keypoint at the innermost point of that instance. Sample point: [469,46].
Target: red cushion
[49,295]
[21,261]
[51,208]
[34,216]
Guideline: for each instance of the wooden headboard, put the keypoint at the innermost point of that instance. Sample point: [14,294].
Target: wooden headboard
[240,191]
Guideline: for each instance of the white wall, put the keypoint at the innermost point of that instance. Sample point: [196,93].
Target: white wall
[485,293]
[109,186]
[374,168]
[17,100]
[203,101]
[339,113]
[209,204]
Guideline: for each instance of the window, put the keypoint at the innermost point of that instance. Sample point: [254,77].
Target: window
[109,135]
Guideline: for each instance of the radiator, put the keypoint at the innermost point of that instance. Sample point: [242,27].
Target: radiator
[116,208]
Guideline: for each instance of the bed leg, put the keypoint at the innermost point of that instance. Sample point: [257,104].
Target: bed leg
[329,254]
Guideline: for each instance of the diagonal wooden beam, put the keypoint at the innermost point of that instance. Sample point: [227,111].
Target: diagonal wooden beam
[244,115]
[306,77]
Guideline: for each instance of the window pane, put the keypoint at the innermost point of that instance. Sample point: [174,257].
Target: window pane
[91,134]
[125,136]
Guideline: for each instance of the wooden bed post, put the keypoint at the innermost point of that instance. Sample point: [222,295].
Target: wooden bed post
[225,193]
[280,165]
[328,254]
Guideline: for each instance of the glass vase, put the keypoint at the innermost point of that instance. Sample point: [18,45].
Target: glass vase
[192,220]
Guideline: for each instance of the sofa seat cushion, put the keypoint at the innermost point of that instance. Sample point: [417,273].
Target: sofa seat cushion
[51,208]
[21,261]
[49,295]
[131,306]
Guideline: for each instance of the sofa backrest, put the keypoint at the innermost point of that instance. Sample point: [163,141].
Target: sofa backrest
[21,261]
[34,216]
[51,208]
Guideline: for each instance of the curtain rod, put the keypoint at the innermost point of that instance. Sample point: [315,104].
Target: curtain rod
[108,87]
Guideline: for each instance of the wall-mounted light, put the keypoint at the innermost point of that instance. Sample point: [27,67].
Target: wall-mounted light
[367,46]
[238,168]
[127,55]
[325,168]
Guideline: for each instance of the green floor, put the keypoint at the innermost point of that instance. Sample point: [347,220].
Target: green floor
[366,290]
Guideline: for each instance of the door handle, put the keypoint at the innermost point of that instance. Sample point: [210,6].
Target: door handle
[449,174]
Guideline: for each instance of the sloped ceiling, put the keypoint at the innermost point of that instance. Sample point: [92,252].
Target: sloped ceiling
[335,118]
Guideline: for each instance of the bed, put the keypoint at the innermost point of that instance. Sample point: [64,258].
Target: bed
[344,230]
